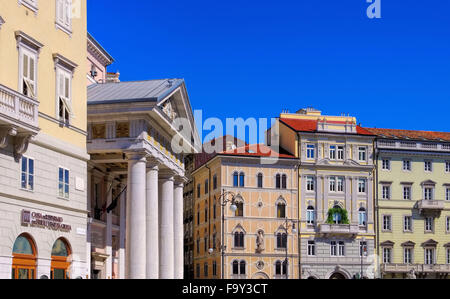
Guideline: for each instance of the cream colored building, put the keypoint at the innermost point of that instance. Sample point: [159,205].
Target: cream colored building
[256,240]
[43,139]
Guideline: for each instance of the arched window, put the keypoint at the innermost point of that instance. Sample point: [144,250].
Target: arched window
[242,268]
[24,258]
[60,260]
[284,181]
[278,181]
[362,216]
[281,240]
[281,210]
[280,268]
[242,179]
[235,179]
[239,239]
[240,209]
[235,268]
[310,215]
[259,178]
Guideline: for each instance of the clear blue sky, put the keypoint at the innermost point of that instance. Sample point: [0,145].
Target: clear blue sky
[253,58]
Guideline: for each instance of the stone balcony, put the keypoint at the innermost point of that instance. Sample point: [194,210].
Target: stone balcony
[18,118]
[339,229]
[419,268]
[430,206]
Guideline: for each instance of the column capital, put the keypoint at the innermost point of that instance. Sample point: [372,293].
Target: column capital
[166,174]
[136,155]
[152,163]
[180,180]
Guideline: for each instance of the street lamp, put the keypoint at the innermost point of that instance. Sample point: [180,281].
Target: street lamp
[288,225]
[224,200]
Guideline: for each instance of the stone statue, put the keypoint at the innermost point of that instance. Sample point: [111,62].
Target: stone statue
[412,274]
[260,242]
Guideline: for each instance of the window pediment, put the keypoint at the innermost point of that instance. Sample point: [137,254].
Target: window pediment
[64,62]
[387,244]
[430,243]
[408,244]
[428,183]
[24,39]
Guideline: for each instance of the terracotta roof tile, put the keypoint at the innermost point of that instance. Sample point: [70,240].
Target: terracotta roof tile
[410,134]
[257,150]
[306,125]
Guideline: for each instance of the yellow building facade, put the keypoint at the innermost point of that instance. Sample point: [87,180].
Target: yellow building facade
[43,122]
[413,199]
[261,234]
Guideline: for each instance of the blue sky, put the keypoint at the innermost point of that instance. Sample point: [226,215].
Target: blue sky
[253,58]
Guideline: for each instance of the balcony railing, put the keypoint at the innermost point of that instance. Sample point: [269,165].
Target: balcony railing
[18,110]
[418,145]
[339,229]
[430,205]
[420,268]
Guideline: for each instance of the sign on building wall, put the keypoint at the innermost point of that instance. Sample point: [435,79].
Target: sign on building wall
[40,220]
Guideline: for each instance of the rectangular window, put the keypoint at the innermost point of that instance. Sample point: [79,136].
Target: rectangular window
[28,73]
[386,164]
[333,248]
[387,252]
[407,256]
[340,184]
[447,226]
[310,183]
[198,191]
[332,152]
[332,184]
[63,186]
[27,177]
[448,256]
[310,216]
[341,248]
[362,153]
[340,153]
[447,166]
[387,223]
[429,223]
[429,256]
[447,194]
[362,185]
[406,165]
[310,151]
[64,14]
[362,217]
[64,90]
[428,193]
[386,192]
[428,166]
[215,182]
[206,186]
[406,192]
[407,223]
[311,248]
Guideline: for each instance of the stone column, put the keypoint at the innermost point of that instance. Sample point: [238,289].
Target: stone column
[109,260]
[135,219]
[122,273]
[152,235]
[178,228]
[166,232]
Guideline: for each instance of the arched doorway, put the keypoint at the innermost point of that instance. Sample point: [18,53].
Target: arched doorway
[61,260]
[337,275]
[24,258]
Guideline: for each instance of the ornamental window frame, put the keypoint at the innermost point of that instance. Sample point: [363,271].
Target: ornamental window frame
[386,164]
[407,165]
[33,5]
[362,153]
[30,48]
[64,73]
[310,184]
[408,224]
[63,16]
[333,152]
[310,151]
[387,223]
[27,176]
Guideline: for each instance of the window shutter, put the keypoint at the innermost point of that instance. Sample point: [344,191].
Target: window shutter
[61,85]
[31,75]
[66,81]
[60,10]
[25,65]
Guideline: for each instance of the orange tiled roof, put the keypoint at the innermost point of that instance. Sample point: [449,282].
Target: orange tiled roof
[306,125]
[410,134]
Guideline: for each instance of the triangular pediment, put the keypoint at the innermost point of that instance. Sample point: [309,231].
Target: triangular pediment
[428,182]
[387,243]
[430,242]
[408,244]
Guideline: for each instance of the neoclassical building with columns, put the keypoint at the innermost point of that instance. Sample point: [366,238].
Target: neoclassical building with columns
[136,177]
